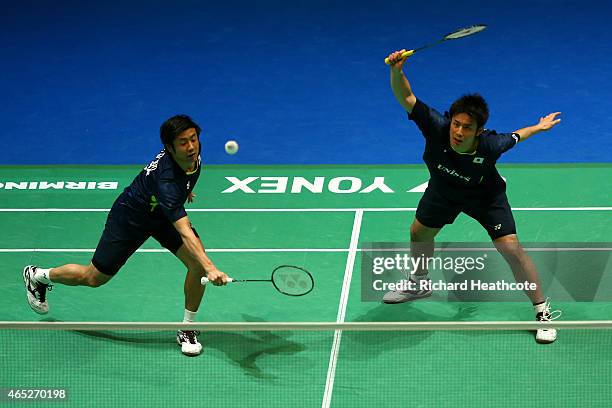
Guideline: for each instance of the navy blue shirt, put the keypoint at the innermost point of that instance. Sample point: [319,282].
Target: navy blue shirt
[161,189]
[451,171]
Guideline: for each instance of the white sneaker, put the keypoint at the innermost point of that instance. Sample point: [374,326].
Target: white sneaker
[401,296]
[36,292]
[546,336]
[188,340]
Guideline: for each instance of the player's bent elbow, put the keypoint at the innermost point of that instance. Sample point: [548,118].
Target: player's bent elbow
[408,103]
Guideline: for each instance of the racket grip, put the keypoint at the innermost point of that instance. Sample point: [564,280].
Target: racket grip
[405,55]
[205,280]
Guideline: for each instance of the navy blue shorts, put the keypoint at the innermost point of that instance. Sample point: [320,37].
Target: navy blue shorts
[125,231]
[493,212]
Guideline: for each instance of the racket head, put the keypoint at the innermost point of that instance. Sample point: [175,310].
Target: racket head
[464,32]
[292,280]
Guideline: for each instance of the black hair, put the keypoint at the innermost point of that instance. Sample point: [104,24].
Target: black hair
[174,126]
[473,105]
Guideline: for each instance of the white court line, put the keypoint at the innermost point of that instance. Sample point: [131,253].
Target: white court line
[373,209]
[220,250]
[561,208]
[491,249]
[328,250]
[311,326]
[346,287]
[54,209]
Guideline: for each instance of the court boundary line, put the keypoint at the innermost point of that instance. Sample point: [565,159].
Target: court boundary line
[352,251]
[163,250]
[309,326]
[344,296]
[365,209]
[320,250]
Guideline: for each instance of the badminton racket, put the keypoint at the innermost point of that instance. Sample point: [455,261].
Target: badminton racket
[462,32]
[289,280]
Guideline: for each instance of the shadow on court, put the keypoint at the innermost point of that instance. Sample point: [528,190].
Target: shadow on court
[246,349]
[378,342]
[249,348]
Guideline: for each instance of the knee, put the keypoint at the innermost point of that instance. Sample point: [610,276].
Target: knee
[95,278]
[415,233]
[420,233]
[510,248]
[95,282]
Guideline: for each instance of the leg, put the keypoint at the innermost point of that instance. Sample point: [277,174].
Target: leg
[421,245]
[118,242]
[521,264]
[38,280]
[524,270]
[193,289]
[422,242]
[434,211]
[78,275]
[169,238]
[496,216]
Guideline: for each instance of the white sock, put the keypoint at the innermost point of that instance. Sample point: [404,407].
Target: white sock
[189,316]
[42,275]
[539,308]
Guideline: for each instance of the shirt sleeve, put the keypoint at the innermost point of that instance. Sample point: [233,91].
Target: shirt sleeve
[500,143]
[429,121]
[170,200]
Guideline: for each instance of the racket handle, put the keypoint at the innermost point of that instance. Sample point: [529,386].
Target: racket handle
[404,55]
[205,280]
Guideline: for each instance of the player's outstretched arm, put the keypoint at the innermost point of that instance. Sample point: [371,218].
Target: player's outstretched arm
[546,123]
[399,83]
[196,251]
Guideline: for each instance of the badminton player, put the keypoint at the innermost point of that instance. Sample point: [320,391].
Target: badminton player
[153,205]
[460,155]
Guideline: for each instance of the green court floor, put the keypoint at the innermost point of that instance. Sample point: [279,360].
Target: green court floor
[253,218]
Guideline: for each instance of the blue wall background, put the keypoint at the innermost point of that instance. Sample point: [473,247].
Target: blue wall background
[296,82]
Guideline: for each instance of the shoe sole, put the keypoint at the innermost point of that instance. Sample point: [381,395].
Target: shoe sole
[189,354]
[540,341]
[25,281]
[543,341]
[415,297]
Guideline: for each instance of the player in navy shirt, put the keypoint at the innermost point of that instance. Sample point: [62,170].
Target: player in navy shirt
[460,155]
[151,206]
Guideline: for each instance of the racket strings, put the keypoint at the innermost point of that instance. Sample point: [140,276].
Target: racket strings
[464,32]
[292,280]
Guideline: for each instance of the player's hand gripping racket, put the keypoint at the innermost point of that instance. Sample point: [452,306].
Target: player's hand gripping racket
[287,279]
[462,32]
